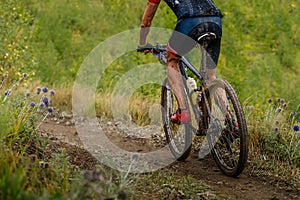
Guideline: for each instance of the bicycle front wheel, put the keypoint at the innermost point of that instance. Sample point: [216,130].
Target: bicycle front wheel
[179,137]
[227,133]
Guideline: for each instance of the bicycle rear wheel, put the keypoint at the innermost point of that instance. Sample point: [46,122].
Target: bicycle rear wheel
[179,137]
[227,133]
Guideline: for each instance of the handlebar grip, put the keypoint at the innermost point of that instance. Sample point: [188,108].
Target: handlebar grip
[147,47]
[153,49]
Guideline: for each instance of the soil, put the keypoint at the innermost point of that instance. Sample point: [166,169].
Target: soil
[249,185]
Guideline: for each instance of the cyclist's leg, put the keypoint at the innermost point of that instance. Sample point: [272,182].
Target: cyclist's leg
[178,45]
[210,57]
[175,78]
[182,115]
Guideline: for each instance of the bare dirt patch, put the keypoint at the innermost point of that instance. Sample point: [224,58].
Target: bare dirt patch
[249,185]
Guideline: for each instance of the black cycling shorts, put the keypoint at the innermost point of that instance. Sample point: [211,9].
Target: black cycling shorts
[186,32]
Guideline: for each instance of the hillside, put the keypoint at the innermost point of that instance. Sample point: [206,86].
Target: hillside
[259,52]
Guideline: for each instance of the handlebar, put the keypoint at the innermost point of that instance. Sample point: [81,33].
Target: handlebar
[159,51]
[158,48]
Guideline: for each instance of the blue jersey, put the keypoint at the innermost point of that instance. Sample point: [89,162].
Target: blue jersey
[193,8]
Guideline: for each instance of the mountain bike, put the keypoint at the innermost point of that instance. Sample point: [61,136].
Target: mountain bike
[216,113]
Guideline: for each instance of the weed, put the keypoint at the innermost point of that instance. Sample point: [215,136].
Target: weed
[274,134]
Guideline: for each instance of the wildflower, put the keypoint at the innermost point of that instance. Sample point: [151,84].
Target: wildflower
[32,104]
[45,100]
[249,107]
[276,129]
[50,110]
[24,75]
[38,90]
[135,157]
[279,110]
[41,105]
[276,122]
[52,93]
[27,94]
[5,76]
[228,97]
[296,128]
[45,90]
[270,100]
[284,105]
[279,100]
[294,113]
[7,93]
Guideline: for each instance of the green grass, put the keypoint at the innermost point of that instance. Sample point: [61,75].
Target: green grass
[259,42]
[166,184]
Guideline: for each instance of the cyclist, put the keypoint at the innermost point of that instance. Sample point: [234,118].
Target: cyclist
[194,19]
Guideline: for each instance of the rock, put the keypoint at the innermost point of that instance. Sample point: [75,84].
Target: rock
[68,123]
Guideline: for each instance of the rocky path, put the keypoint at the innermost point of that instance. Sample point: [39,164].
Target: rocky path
[146,139]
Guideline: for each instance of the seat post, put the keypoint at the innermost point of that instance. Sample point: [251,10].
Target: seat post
[204,40]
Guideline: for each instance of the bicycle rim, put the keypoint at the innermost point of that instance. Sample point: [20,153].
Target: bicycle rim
[227,134]
[179,137]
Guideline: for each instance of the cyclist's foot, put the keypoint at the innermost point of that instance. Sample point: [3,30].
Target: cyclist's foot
[182,116]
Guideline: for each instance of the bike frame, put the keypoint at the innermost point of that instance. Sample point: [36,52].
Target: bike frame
[184,64]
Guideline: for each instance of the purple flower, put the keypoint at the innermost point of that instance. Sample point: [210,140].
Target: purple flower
[32,104]
[41,105]
[24,75]
[27,94]
[284,105]
[228,97]
[45,90]
[296,128]
[276,129]
[45,100]
[52,93]
[7,93]
[50,110]
[270,100]
[278,100]
[294,113]
[38,90]
[279,110]
[276,122]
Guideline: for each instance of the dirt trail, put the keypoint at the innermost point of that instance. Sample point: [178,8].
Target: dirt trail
[247,186]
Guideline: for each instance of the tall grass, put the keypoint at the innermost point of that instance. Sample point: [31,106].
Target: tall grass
[29,168]
[275,139]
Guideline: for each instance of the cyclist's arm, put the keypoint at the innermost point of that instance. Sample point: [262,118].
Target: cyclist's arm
[147,19]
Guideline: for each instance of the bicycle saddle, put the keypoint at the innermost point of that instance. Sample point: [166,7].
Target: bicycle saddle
[207,37]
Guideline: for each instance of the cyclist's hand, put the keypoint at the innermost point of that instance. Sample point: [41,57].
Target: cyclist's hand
[147,48]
